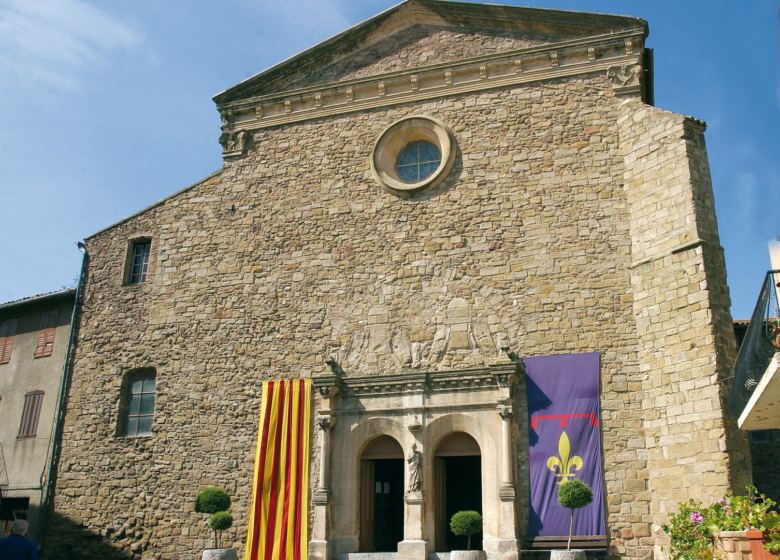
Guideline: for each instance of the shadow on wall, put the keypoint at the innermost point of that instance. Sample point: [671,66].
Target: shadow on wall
[765,455]
[67,540]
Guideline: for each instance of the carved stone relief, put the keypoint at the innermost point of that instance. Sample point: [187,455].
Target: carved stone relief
[622,76]
[455,334]
[233,143]
[626,80]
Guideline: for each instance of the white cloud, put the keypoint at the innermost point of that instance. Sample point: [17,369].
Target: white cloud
[50,42]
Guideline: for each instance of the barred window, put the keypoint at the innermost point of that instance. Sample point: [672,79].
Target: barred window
[139,404]
[30,414]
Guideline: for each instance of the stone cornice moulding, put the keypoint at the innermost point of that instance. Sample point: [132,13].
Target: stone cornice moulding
[467,379]
[533,64]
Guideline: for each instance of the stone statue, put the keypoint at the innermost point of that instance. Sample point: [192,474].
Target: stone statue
[415,465]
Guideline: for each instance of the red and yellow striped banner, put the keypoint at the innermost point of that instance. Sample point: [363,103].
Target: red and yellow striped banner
[279,512]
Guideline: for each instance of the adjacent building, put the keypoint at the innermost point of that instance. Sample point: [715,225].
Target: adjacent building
[415,214]
[34,338]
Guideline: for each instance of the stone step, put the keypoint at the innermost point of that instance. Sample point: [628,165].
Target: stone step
[386,556]
[367,556]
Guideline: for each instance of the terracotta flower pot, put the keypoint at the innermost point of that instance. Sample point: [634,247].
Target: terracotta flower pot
[733,545]
[757,541]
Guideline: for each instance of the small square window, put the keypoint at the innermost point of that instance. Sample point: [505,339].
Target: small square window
[12,509]
[760,436]
[139,262]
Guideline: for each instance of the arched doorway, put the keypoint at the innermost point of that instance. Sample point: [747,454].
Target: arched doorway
[458,484]
[381,495]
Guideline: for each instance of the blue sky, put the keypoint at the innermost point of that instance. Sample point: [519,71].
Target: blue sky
[105,108]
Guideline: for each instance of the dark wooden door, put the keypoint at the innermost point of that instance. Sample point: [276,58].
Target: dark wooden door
[388,504]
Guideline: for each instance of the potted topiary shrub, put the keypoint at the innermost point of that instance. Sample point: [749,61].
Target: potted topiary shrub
[572,494]
[467,523]
[216,501]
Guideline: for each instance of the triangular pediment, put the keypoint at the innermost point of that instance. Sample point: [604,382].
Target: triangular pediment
[419,33]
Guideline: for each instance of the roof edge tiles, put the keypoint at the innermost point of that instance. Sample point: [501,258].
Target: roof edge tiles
[67,293]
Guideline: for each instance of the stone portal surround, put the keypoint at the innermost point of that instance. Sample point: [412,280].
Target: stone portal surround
[432,406]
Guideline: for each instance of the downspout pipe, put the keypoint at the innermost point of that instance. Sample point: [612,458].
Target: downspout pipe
[59,415]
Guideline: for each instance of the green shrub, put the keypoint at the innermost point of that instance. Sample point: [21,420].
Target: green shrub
[212,500]
[216,502]
[220,521]
[466,523]
[574,494]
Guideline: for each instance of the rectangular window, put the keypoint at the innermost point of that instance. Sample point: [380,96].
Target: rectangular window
[12,509]
[760,436]
[7,332]
[140,262]
[32,410]
[48,329]
[140,404]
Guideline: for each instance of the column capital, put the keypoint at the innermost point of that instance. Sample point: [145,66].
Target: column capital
[327,391]
[325,422]
[505,411]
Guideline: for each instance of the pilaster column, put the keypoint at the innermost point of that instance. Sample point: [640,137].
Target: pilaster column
[319,547]
[325,423]
[507,472]
[505,373]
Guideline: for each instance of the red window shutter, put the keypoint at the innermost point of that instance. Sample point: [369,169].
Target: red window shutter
[50,332]
[48,329]
[7,332]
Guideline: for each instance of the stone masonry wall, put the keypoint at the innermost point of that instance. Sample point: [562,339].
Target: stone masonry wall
[681,304]
[293,254]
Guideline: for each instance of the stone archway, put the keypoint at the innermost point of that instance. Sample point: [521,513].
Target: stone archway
[381,495]
[457,487]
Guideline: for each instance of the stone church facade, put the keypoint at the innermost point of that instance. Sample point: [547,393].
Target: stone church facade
[565,215]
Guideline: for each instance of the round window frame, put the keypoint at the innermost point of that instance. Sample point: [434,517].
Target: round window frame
[395,138]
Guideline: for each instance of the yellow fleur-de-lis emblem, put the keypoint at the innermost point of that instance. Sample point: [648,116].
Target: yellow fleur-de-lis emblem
[565,464]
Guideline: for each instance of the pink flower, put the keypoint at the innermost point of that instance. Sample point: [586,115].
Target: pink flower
[696,517]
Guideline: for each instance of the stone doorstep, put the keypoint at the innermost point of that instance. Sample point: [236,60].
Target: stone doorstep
[386,556]
[367,556]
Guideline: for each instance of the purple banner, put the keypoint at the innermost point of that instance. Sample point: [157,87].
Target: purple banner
[565,441]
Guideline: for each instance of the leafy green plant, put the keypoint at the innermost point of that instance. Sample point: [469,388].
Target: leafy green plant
[693,530]
[212,500]
[574,494]
[215,501]
[220,521]
[466,523]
